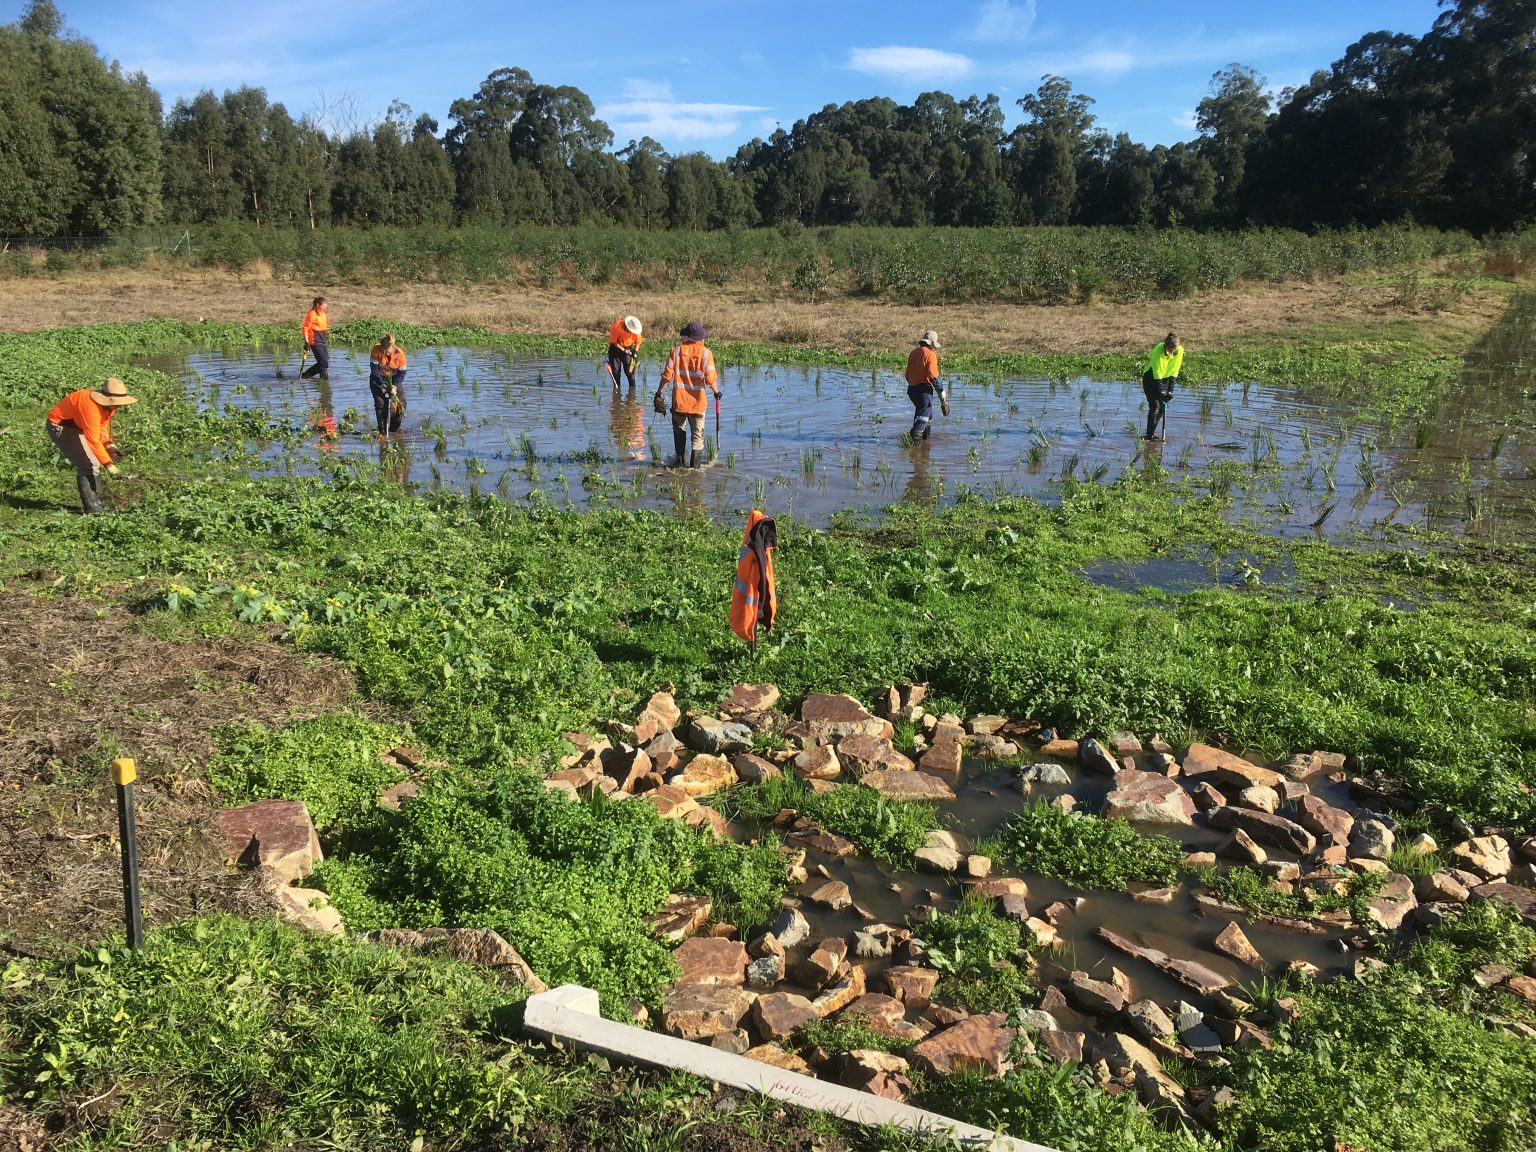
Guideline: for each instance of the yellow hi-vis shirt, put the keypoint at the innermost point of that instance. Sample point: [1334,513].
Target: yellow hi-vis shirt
[1162,365]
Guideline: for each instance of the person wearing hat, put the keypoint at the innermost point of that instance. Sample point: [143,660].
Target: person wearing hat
[1158,379]
[624,340]
[80,426]
[690,369]
[923,383]
[386,369]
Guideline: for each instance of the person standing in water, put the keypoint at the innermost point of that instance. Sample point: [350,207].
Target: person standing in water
[923,383]
[386,371]
[624,340]
[1158,379]
[316,325]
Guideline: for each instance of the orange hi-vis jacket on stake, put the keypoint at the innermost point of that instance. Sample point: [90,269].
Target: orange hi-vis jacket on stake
[690,369]
[94,422]
[315,320]
[753,600]
[623,337]
[391,361]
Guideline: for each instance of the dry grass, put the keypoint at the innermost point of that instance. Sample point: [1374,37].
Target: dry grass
[81,684]
[852,324]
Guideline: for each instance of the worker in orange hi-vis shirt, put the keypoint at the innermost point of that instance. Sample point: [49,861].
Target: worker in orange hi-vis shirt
[80,426]
[624,340]
[316,325]
[923,382]
[690,369]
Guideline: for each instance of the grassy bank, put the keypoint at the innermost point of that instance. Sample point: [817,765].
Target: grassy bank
[487,630]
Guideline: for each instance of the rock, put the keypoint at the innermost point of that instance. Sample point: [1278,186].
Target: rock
[705,775]
[671,802]
[564,789]
[944,756]
[776,1057]
[877,1008]
[1127,1057]
[1363,864]
[1149,1021]
[978,867]
[663,708]
[1096,758]
[765,971]
[1240,847]
[874,942]
[750,698]
[1371,840]
[881,1073]
[1285,871]
[820,968]
[1523,900]
[1259,798]
[1523,987]
[910,984]
[984,725]
[1204,761]
[1061,1047]
[860,754]
[1488,856]
[778,1014]
[625,765]
[939,853]
[396,795]
[1125,744]
[836,717]
[907,785]
[996,887]
[834,894]
[818,763]
[701,1011]
[828,843]
[1060,747]
[1270,831]
[1202,1039]
[1323,820]
[718,737]
[1206,797]
[273,834]
[679,918]
[1199,860]
[1292,791]
[1096,997]
[1046,776]
[790,928]
[840,995]
[666,753]
[736,1043]
[306,909]
[1188,972]
[1440,888]
[980,1042]
[753,769]
[1390,906]
[1156,895]
[1422,845]
[993,748]
[1233,943]
[1147,798]
[710,960]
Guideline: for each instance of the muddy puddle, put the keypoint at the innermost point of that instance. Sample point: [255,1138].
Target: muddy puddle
[814,442]
[986,798]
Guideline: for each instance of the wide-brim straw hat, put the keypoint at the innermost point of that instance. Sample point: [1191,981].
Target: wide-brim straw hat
[930,338]
[113,394]
[693,330]
[633,324]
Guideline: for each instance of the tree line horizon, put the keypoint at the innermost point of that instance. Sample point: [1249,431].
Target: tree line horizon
[1439,129]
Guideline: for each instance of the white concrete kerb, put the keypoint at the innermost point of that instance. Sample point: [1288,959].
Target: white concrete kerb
[570,1015]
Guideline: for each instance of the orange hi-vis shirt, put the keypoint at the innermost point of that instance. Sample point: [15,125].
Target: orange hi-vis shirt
[623,337]
[922,367]
[94,422]
[690,369]
[391,361]
[315,320]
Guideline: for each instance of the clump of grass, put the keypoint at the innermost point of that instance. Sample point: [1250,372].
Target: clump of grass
[846,1034]
[1087,851]
[889,830]
[979,954]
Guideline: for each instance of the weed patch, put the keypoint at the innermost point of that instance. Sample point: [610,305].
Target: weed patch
[1087,851]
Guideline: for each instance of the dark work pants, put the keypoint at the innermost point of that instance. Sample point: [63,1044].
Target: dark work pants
[69,440]
[322,364]
[389,416]
[1158,393]
[921,396]
[621,362]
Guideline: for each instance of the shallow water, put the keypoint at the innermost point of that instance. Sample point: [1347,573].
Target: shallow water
[813,442]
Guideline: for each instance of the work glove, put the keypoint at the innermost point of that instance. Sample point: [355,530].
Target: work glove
[113,469]
[943,400]
[1168,389]
[659,404]
[115,452]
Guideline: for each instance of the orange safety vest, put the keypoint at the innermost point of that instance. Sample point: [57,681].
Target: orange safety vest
[394,361]
[315,320]
[690,369]
[922,367]
[623,337]
[94,422]
[754,599]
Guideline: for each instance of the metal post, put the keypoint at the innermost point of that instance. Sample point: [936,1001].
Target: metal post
[124,773]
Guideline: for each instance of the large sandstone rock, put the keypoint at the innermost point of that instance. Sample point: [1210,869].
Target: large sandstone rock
[1096,997]
[776,1057]
[1259,798]
[1190,973]
[1264,828]
[837,717]
[1440,888]
[834,895]
[666,752]
[976,1042]
[1204,762]
[882,1011]
[718,737]
[881,1073]
[791,928]
[910,984]
[1488,856]
[754,769]
[750,698]
[671,802]
[1240,848]
[822,966]
[779,1014]
[1149,1021]
[1096,758]
[710,960]
[627,765]
[308,910]
[944,756]
[818,763]
[838,996]
[907,785]
[705,775]
[1234,943]
[820,840]
[701,1011]
[1523,900]
[1391,906]
[273,834]
[1147,798]
[940,853]
[1129,1058]
[1329,824]
[861,754]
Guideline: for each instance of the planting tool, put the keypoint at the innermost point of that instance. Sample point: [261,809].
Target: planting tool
[943,401]
[303,355]
[717,424]
[124,773]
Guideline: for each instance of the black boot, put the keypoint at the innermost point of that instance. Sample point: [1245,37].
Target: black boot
[90,494]
[693,460]
[679,445]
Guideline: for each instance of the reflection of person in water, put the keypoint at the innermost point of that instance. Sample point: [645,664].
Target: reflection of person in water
[626,423]
[322,421]
[395,460]
[920,486]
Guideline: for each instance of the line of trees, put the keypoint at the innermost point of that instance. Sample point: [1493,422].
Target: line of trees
[1440,128]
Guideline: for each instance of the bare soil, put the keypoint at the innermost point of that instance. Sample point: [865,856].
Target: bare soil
[81,684]
[851,324]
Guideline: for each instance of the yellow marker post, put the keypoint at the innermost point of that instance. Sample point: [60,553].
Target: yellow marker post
[124,773]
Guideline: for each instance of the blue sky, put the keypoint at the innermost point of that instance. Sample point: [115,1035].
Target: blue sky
[711,74]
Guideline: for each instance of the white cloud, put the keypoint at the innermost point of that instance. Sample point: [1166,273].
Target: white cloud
[1000,20]
[1185,120]
[674,119]
[648,89]
[918,65]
